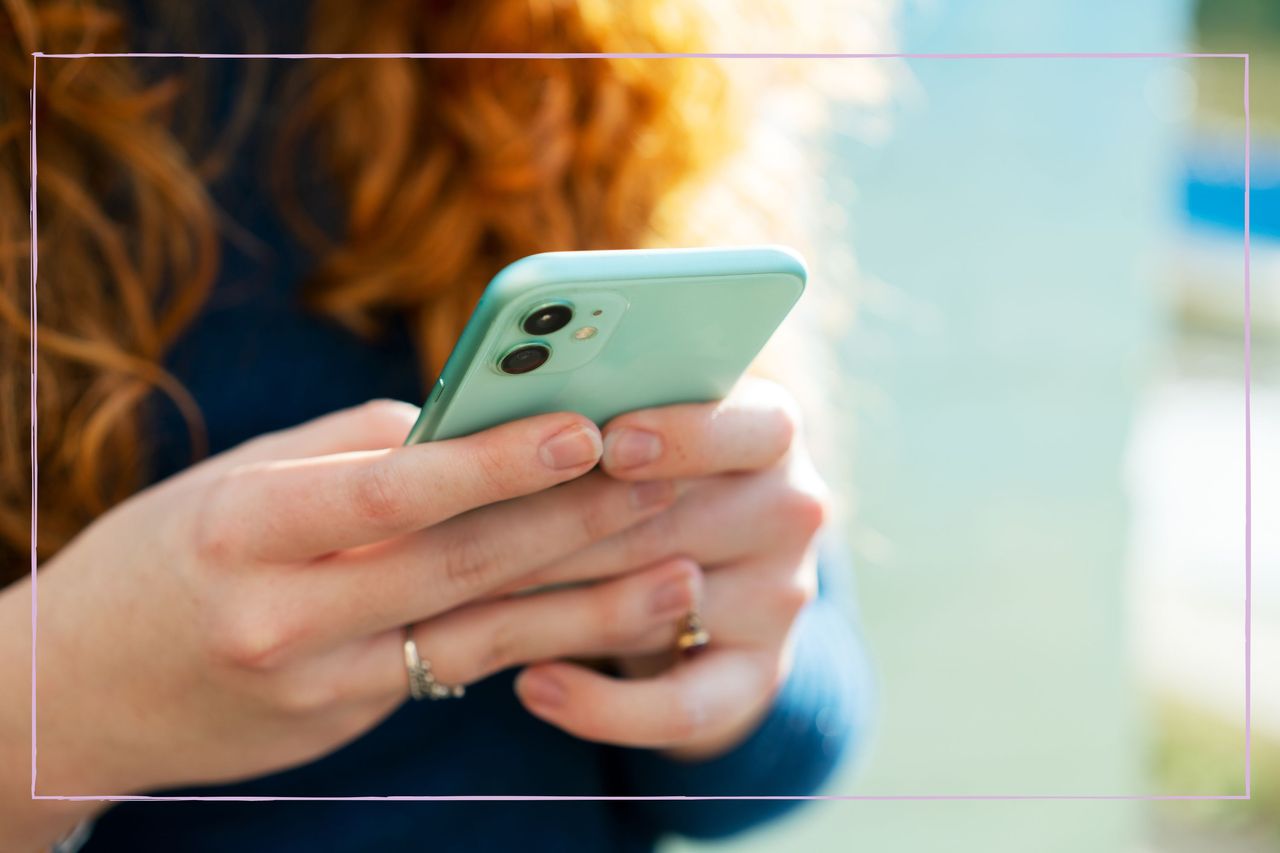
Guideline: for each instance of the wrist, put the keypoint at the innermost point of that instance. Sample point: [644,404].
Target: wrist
[37,825]
[25,823]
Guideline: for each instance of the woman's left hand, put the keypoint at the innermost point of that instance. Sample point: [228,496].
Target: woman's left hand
[750,506]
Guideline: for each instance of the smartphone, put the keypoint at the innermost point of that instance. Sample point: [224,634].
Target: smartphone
[607,332]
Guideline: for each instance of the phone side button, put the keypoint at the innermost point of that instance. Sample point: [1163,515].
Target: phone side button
[437,391]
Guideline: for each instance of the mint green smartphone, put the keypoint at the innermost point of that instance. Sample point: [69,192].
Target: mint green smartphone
[603,333]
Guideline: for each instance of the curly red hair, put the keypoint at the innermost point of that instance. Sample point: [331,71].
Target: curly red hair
[447,171]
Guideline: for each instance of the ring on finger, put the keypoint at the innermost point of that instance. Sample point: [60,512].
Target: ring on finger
[692,635]
[422,682]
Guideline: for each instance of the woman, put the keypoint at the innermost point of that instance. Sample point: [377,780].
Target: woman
[236,627]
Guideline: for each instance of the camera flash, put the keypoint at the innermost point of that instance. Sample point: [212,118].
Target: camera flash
[584,333]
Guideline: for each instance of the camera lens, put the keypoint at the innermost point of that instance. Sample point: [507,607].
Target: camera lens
[524,359]
[547,319]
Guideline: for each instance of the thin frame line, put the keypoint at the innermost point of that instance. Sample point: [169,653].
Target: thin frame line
[645,55]
[1248,461]
[551,798]
[1248,562]
[35,464]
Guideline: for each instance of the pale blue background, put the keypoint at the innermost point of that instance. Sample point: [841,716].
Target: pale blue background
[1014,218]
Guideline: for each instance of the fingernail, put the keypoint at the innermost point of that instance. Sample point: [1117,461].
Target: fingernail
[542,690]
[651,493]
[631,448]
[674,596]
[570,448]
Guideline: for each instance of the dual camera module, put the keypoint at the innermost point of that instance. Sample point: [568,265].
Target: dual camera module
[542,321]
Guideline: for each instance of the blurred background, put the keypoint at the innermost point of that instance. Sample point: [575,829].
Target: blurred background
[1043,378]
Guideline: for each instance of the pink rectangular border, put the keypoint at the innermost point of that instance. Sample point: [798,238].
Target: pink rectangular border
[1248,508]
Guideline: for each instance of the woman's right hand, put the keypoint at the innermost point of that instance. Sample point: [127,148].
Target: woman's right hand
[245,615]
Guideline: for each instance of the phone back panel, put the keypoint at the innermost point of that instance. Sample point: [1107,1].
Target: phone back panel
[649,328]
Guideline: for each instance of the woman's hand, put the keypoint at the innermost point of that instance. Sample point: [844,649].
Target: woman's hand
[246,615]
[750,508]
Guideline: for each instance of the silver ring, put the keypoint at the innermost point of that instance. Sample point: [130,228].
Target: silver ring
[422,683]
[692,635]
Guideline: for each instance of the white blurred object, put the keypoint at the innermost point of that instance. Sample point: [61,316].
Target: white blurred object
[1186,475]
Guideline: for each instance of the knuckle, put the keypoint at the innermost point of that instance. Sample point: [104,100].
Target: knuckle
[378,496]
[502,649]
[776,403]
[213,535]
[663,534]
[596,518]
[468,563]
[613,627]
[789,420]
[302,697]
[248,637]
[806,509]
[254,648]
[790,599]
[649,541]
[490,466]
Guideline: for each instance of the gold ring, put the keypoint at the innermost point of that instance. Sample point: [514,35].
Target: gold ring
[422,683]
[692,635]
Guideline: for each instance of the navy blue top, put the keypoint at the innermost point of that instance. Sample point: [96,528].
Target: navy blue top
[256,361]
